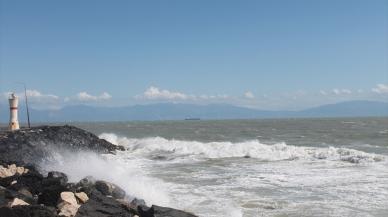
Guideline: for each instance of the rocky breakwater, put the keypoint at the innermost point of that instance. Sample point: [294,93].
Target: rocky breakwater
[26,192]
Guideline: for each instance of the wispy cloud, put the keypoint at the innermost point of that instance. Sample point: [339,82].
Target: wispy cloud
[34,96]
[249,95]
[86,97]
[154,93]
[341,91]
[381,89]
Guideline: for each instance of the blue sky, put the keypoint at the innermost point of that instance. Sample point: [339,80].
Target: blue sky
[273,54]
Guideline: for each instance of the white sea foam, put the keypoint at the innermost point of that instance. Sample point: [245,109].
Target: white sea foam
[253,149]
[127,174]
[280,179]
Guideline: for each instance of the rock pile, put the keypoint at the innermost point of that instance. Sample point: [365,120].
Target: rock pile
[31,194]
[25,192]
[36,143]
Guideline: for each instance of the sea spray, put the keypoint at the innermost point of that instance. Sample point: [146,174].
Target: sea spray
[126,174]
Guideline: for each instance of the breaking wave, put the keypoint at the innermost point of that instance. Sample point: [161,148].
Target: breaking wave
[158,146]
[129,175]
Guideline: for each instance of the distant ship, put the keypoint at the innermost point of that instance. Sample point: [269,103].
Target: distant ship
[192,119]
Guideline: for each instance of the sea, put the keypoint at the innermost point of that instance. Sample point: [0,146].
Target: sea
[234,168]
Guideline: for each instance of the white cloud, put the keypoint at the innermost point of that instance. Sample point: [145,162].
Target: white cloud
[322,92]
[85,97]
[249,95]
[381,89]
[33,96]
[341,91]
[154,93]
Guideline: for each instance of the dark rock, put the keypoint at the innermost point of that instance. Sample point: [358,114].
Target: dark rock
[32,181]
[36,143]
[118,193]
[30,147]
[99,205]
[144,211]
[137,202]
[7,195]
[86,184]
[50,195]
[169,212]
[25,192]
[61,177]
[110,189]
[28,211]
[159,211]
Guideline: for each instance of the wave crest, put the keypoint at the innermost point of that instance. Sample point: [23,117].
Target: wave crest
[252,149]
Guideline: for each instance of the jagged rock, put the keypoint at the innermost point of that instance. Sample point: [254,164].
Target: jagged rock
[28,211]
[32,181]
[68,197]
[86,184]
[158,211]
[52,186]
[138,202]
[82,197]
[34,144]
[67,210]
[67,205]
[133,205]
[58,176]
[7,196]
[11,170]
[99,205]
[25,192]
[18,202]
[50,195]
[5,172]
[110,189]
[22,184]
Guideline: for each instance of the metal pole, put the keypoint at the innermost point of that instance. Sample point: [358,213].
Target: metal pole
[26,100]
[28,112]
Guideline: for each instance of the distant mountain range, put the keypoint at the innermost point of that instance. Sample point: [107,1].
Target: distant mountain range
[171,111]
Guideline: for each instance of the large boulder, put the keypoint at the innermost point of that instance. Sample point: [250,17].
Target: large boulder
[36,143]
[110,189]
[18,202]
[99,205]
[86,185]
[31,181]
[67,205]
[81,197]
[8,196]
[28,211]
[50,195]
[58,177]
[159,211]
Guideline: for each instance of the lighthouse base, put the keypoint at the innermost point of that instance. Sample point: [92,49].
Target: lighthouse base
[13,126]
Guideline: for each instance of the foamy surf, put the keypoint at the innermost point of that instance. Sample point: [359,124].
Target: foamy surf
[229,179]
[125,173]
[248,149]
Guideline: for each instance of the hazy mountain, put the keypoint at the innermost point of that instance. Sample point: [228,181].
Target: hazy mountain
[170,111]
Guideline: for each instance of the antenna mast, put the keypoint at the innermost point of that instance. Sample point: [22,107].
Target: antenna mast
[28,112]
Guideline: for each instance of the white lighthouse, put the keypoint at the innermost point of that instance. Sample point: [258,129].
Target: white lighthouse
[13,118]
